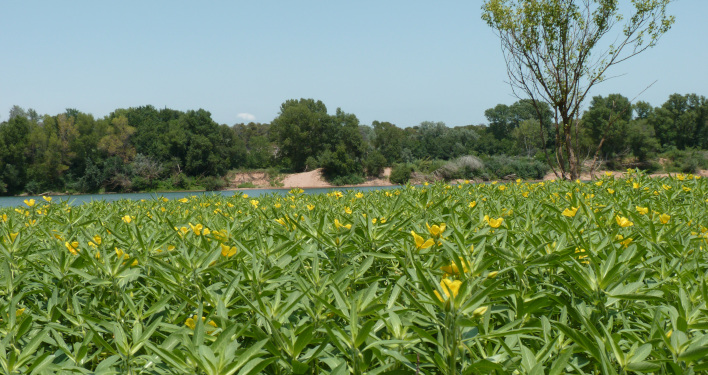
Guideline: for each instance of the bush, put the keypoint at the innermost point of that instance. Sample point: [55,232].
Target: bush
[311,163]
[33,187]
[246,185]
[463,167]
[179,181]
[522,167]
[351,179]
[212,183]
[142,184]
[429,166]
[400,174]
[685,161]
[339,166]
[374,164]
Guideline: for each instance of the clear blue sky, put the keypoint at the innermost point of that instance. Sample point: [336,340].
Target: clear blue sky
[399,61]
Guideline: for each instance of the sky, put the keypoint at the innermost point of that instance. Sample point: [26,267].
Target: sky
[401,61]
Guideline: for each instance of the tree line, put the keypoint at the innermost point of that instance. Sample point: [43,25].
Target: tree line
[146,148]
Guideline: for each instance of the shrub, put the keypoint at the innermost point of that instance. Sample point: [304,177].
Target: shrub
[400,174]
[246,185]
[311,163]
[212,183]
[351,179]
[140,183]
[374,164]
[339,166]
[501,166]
[686,161]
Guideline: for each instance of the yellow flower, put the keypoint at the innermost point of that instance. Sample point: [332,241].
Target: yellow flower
[338,225]
[599,183]
[623,221]
[611,191]
[626,242]
[245,196]
[686,188]
[450,288]
[254,203]
[666,187]
[280,221]
[473,204]
[121,254]
[73,247]
[310,207]
[19,312]
[452,269]
[664,218]
[13,236]
[29,202]
[608,173]
[495,223]
[228,251]
[46,198]
[183,200]
[525,194]
[127,219]
[635,185]
[191,322]
[492,274]
[347,210]
[359,195]
[435,230]
[642,210]
[570,212]
[197,229]
[420,243]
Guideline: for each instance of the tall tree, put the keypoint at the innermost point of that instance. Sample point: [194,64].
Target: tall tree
[607,122]
[554,50]
[388,140]
[302,129]
[682,121]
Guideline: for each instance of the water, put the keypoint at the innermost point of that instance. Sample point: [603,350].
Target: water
[84,198]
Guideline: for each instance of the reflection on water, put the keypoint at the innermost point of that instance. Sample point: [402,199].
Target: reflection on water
[82,198]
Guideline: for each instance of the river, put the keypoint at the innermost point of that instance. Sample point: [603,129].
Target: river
[83,198]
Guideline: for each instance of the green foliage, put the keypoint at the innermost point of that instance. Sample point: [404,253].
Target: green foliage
[401,174]
[682,121]
[374,164]
[554,52]
[519,167]
[609,118]
[212,183]
[556,277]
[246,185]
[686,161]
[339,167]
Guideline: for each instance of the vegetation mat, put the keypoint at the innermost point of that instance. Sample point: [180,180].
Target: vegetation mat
[545,278]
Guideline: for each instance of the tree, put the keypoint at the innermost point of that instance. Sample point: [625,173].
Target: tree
[555,53]
[117,140]
[607,122]
[682,121]
[302,129]
[388,140]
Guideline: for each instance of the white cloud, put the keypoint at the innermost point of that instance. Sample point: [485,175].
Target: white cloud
[246,116]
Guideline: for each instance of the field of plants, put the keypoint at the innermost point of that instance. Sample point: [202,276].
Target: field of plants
[605,277]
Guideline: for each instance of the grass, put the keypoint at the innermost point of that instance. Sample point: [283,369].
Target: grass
[551,277]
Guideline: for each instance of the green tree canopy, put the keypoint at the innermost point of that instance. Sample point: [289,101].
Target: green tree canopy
[556,52]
